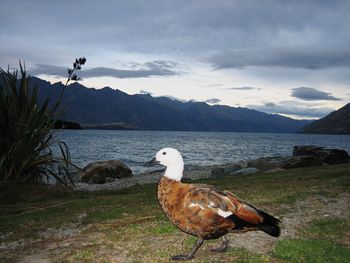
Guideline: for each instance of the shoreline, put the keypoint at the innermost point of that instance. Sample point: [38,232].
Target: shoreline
[190,173]
[303,156]
[145,178]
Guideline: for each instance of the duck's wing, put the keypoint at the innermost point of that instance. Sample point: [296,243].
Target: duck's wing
[214,208]
[222,203]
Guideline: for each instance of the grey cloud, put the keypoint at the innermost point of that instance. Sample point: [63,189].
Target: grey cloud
[43,69]
[145,92]
[179,26]
[302,111]
[148,69]
[243,88]
[249,30]
[213,85]
[213,100]
[306,93]
[173,98]
[164,64]
[269,104]
[302,58]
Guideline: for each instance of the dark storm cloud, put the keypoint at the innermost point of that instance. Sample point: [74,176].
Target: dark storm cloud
[213,100]
[176,27]
[293,108]
[306,58]
[310,94]
[148,69]
[310,37]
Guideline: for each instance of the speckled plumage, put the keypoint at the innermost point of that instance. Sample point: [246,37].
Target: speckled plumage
[193,208]
[205,211]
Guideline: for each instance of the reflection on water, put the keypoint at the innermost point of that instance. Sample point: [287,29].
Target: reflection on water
[197,148]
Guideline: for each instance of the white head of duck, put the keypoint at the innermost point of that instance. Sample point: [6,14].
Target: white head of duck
[172,160]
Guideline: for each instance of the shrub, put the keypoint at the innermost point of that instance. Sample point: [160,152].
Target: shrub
[25,131]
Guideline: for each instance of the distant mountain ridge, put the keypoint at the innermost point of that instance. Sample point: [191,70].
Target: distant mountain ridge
[103,106]
[337,122]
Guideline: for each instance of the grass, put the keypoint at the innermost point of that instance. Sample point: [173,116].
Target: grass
[320,242]
[162,228]
[311,251]
[244,256]
[327,229]
[117,226]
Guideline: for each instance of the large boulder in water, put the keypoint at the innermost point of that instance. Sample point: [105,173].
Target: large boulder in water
[97,172]
[328,156]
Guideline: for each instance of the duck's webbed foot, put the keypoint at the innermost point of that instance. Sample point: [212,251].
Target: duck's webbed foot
[190,255]
[223,247]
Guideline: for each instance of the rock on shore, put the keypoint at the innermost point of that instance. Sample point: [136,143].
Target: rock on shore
[328,156]
[96,175]
[100,172]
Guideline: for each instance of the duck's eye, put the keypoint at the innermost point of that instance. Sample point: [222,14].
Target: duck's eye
[164,153]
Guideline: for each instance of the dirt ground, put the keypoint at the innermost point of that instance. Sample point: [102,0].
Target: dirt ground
[60,245]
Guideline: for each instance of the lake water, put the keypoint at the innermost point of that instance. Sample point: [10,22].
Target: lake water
[198,148]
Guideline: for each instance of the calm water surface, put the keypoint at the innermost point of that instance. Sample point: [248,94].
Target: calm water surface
[197,148]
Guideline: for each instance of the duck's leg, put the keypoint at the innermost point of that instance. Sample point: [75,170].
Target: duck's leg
[223,247]
[190,255]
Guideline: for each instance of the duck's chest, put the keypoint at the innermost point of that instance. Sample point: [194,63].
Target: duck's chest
[171,195]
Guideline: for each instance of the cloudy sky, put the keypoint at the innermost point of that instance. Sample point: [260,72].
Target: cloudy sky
[287,57]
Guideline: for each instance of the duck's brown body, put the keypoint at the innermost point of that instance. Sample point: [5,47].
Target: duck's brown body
[199,209]
[204,211]
[182,205]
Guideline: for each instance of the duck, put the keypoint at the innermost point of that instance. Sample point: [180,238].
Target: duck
[205,211]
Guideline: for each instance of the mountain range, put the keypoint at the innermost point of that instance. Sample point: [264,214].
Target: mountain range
[89,106]
[337,122]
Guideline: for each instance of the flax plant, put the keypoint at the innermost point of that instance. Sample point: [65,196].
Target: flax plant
[25,131]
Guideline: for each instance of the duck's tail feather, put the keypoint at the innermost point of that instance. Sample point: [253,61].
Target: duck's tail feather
[270,224]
